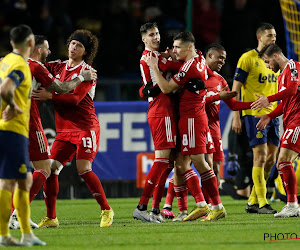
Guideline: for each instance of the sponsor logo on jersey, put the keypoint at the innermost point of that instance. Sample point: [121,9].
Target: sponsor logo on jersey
[267,78]
[88,151]
[57,76]
[211,146]
[185,149]
[259,135]
[285,142]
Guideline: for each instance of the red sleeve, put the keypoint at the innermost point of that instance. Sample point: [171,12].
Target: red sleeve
[51,66]
[145,72]
[141,93]
[173,67]
[73,98]
[41,74]
[237,105]
[276,112]
[212,98]
[284,94]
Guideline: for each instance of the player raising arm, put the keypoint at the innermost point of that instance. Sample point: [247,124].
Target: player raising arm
[288,85]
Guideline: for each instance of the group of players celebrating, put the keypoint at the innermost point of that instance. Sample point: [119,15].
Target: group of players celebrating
[184,90]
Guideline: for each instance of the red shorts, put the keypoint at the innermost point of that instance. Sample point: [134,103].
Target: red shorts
[290,139]
[210,148]
[163,130]
[85,144]
[218,154]
[38,146]
[193,135]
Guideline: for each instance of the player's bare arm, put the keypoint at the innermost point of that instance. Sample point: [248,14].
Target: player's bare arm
[165,86]
[67,86]
[236,121]
[7,90]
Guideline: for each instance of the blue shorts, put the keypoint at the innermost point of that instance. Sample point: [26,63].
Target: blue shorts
[14,156]
[258,137]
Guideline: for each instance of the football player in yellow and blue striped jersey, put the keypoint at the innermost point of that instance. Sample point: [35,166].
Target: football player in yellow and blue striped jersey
[253,77]
[15,89]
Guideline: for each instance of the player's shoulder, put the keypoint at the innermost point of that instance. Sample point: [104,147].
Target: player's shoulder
[87,66]
[186,66]
[250,55]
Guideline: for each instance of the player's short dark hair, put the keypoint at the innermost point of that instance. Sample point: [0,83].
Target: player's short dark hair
[264,26]
[39,40]
[185,36]
[91,45]
[20,33]
[270,50]
[213,46]
[147,26]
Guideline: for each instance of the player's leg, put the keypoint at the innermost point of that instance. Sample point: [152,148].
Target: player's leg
[258,142]
[62,151]
[287,174]
[163,134]
[181,193]
[22,206]
[167,212]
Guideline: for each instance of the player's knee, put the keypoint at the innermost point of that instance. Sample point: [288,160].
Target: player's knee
[56,167]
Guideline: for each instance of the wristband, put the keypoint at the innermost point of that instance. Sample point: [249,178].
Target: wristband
[81,78]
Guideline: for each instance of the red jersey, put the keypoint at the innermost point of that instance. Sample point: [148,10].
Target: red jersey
[40,77]
[191,104]
[161,105]
[214,85]
[74,111]
[291,105]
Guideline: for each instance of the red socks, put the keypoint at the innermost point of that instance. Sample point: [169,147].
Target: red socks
[182,195]
[39,177]
[159,189]
[170,193]
[192,182]
[209,182]
[288,177]
[94,184]
[51,188]
[159,166]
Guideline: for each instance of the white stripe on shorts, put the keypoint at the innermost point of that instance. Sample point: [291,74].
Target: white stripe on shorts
[42,144]
[168,129]
[94,141]
[295,135]
[191,130]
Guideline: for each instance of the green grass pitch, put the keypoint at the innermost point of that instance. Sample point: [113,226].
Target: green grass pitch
[79,228]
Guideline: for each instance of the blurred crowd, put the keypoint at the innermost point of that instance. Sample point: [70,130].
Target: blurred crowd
[116,23]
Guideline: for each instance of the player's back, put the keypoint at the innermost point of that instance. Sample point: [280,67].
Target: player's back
[14,66]
[191,104]
[257,79]
[70,116]
[291,105]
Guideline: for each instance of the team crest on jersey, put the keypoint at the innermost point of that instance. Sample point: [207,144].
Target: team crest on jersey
[259,135]
[164,60]
[257,64]
[181,74]
[294,75]
[57,76]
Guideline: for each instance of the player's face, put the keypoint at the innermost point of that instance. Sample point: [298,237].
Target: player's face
[152,39]
[76,50]
[45,51]
[180,50]
[271,63]
[216,59]
[268,37]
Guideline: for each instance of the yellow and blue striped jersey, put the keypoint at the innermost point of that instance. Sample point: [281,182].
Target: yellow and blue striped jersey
[256,78]
[15,67]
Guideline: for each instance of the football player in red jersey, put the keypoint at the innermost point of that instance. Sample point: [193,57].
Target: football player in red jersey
[161,119]
[39,149]
[77,125]
[288,86]
[193,124]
